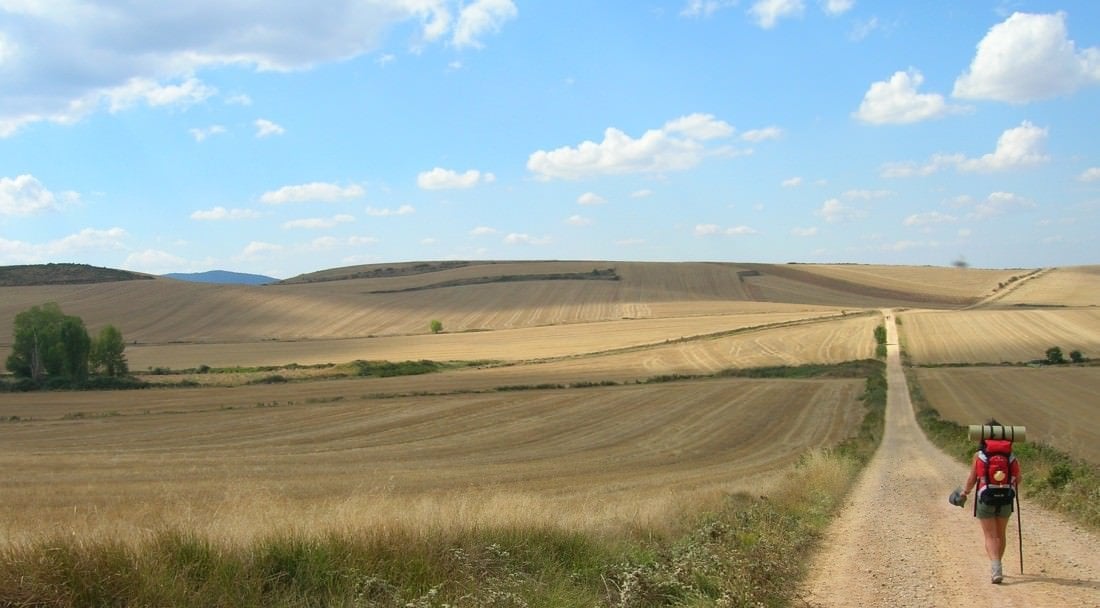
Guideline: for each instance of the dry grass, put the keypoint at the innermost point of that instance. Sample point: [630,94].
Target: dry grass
[995,336]
[1057,405]
[596,457]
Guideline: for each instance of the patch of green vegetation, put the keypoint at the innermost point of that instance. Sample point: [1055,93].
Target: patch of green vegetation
[63,274]
[1051,477]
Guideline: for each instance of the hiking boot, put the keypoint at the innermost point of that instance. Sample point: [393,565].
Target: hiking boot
[998,576]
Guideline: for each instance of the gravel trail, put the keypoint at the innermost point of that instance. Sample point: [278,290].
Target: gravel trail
[899,543]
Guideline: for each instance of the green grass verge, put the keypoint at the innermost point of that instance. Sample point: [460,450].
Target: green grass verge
[1051,477]
[748,551]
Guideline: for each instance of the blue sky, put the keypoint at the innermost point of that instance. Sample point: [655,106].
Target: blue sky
[281,138]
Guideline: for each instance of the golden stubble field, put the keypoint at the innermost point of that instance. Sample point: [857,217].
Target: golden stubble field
[240,460]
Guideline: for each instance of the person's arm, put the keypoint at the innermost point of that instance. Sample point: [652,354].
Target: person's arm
[971,480]
[1015,471]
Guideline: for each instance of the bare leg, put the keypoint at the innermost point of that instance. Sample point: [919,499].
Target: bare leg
[993,529]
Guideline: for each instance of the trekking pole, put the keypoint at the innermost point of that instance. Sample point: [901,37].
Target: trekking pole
[1020,533]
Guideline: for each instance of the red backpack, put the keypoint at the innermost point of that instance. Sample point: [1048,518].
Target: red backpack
[996,484]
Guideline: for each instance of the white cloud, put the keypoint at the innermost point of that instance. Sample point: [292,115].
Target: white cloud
[931,217]
[578,220]
[1028,57]
[136,90]
[319,192]
[714,230]
[154,261]
[998,203]
[834,211]
[705,8]
[791,182]
[1016,148]
[88,239]
[897,102]
[519,238]
[1091,174]
[837,7]
[221,213]
[677,146]
[24,195]
[768,12]
[257,249]
[446,179]
[480,17]
[240,99]
[402,210]
[863,29]
[483,231]
[765,134]
[64,60]
[804,232]
[266,128]
[203,133]
[590,198]
[315,223]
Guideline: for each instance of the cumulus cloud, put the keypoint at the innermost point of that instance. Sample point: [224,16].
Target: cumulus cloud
[266,128]
[402,210]
[481,17]
[679,145]
[316,223]
[998,203]
[768,12]
[791,182]
[1018,147]
[447,179]
[1028,57]
[520,238]
[705,8]
[590,198]
[931,217]
[221,213]
[201,134]
[65,60]
[765,134]
[897,101]
[1091,174]
[315,192]
[24,195]
[716,230]
[834,211]
[837,7]
[88,239]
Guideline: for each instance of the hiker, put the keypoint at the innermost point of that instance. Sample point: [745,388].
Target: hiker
[996,474]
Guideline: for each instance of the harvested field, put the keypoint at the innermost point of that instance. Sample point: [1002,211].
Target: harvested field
[1056,404]
[996,336]
[501,345]
[1076,286]
[593,458]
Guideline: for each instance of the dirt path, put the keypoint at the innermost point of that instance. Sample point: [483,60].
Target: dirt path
[899,543]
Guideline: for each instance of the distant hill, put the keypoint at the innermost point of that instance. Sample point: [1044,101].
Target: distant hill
[64,274]
[223,277]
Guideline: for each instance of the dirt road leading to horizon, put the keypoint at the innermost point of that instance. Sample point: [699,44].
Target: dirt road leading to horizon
[899,543]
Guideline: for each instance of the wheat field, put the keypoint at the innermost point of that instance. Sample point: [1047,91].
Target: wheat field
[604,452]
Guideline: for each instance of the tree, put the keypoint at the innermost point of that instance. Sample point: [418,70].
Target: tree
[47,342]
[437,326]
[1054,355]
[107,355]
[1076,356]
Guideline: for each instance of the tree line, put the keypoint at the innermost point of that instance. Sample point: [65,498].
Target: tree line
[51,346]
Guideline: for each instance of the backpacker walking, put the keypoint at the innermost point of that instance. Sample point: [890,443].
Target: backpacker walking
[996,475]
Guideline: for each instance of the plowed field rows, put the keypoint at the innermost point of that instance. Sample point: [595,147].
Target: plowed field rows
[995,336]
[574,457]
[1057,405]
